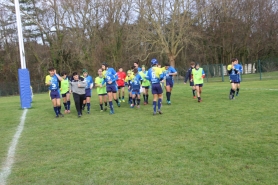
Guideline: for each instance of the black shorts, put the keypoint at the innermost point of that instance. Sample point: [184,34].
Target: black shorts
[119,87]
[146,87]
[199,85]
[102,94]
[64,95]
[191,84]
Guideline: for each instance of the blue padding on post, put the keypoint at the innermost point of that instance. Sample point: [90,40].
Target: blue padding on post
[24,88]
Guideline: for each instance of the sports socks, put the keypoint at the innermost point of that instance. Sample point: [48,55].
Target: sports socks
[168,95]
[88,106]
[123,97]
[68,104]
[147,98]
[133,99]
[105,103]
[56,111]
[193,92]
[159,103]
[154,106]
[117,101]
[232,92]
[138,101]
[111,105]
[144,96]
[101,106]
[59,109]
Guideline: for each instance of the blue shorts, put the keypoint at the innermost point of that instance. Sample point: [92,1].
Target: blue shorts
[199,85]
[192,83]
[54,94]
[136,91]
[64,95]
[88,92]
[157,89]
[111,88]
[169,83]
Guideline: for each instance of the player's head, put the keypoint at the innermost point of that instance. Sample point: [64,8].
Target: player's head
[167,65]
[143,68]
[120,69]
[136,64]
[192,64]
[99,72]
[197,65]
[75,76]
[234,60]
[135,71]
[154,62]
[51,71]
[129,72]
[85,72]
[104,66]
[64,74]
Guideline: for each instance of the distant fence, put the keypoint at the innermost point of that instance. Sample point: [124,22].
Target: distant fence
[11,88]
[252,71]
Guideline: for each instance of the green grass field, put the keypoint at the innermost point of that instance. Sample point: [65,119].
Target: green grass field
[217,141]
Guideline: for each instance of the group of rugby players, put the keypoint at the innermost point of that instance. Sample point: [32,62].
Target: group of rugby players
[110,85]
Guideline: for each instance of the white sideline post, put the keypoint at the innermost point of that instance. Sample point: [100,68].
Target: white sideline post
[23,73]
[20,37]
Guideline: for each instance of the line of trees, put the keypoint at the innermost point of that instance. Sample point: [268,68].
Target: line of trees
[76,34]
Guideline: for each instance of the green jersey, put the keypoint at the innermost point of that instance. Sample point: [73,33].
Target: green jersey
[145,82]
[198,76]
[100,90]
[64,86]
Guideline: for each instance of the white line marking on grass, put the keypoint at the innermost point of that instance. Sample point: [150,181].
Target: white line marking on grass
[7,166]
[261,89]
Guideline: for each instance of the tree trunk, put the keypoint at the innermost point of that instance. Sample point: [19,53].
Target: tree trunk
[171,58]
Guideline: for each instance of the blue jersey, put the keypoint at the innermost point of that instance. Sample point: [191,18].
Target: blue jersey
[155,74]
[89,81]
[168,71]
[238,67]
[112,76]
[54,83]
[135,82]
[233,75]
[139,69]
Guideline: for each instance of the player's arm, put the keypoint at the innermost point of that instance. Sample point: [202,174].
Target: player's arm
[47,80]
[148,76]
[82,84]
[173,72]
[203,74]
[229,69]
[91,83]
[58,76]
[70,87]
[103,81]
[240,69]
